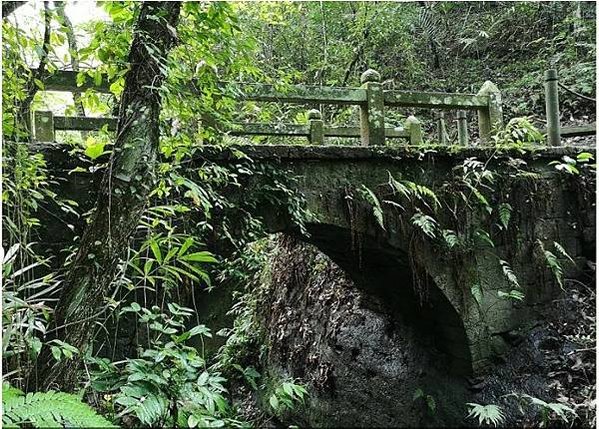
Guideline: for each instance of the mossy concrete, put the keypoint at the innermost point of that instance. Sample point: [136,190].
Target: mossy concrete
[421,280]
[543,209]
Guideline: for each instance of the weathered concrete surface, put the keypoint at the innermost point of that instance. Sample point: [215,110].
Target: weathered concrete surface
[414,276]
[436,285]
[362,361]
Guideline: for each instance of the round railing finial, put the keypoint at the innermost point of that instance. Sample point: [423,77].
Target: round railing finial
[550,74]
[370,75]
[314,114]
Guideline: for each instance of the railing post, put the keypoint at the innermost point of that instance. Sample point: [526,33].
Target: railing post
[492,116]
[441,129]
[43,126]
[372,115]
[462,128]
[552,108]
[316,127]
[415,128]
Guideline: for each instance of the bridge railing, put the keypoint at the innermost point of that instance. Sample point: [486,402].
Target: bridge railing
[371,98]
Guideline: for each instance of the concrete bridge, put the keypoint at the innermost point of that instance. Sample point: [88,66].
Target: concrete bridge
[461,294]
[472,293]
[468,242]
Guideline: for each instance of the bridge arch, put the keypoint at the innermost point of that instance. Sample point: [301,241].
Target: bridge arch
[388,275]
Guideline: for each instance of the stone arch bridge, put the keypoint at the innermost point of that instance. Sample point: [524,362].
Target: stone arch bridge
[474,300]
[461,299]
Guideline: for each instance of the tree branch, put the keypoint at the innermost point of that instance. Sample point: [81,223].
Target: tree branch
[23,112]
[9,7]
[576,93]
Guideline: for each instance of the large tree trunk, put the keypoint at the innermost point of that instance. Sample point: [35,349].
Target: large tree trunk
[123,194]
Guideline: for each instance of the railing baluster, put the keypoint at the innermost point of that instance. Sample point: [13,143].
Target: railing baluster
[372,114]
[316,127]
[415,128]
[441,129]
[43,126]
[492,116]
[462,128]
[552,108]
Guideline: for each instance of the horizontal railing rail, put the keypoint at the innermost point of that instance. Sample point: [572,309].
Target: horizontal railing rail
[47,124]
[575,131]
[435,100]
[84,123]
[294,130]
[302,94]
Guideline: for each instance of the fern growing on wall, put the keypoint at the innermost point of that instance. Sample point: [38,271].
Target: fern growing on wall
[47,409]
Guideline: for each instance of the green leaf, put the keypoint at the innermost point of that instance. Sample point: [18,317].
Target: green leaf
[515,295]
[48,409]
[56,352]
[584,157]
[192,421]
[487,414]
[450,237]
[477,293]
[170,254]
[156,250]
[563,252]
[484,237]
[203,256]
[427,224]
[81,78]
[200,330]
[186,245]
[274,402]
[93,147]
[418,393]
[505,213]
[373,200]
[148,266]
[508,273]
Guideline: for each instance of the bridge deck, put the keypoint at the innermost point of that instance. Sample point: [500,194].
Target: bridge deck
[305,152]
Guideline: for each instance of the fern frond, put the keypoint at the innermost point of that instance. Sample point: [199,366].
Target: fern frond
[561,410]
[508,273]
[488,414]
[555,267]
[480,197]
[398,187]
[515,295]
[424,192]
[563,252]
[553,264]
[505,214]
[373,200]
[427,224]
[409,190]
[48,409]
[451,238]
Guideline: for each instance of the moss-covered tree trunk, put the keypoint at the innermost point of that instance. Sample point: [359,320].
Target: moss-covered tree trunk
[122,197]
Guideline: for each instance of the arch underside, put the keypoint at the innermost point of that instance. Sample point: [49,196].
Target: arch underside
[385,274]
